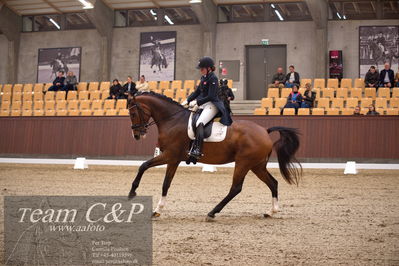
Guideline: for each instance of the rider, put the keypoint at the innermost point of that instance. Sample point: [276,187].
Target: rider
[381,42]
[205,97]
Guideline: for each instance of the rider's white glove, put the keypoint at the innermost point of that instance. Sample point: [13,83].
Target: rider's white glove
[192,103]
[184,103]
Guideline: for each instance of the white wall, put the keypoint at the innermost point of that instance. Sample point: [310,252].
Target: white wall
[3,58]
[298,36]
[344,35]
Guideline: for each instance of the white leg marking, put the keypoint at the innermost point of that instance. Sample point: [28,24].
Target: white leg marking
[161,205]
[274,208]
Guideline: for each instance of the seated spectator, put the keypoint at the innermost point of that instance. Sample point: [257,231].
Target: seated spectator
[294,100]
[372,78]
[372,110]
[357,111]
[278,79]
[129,87]
[116,90]
[387,76]
[70,82]
[58,82]
[142,85]
[397,78]
[291,78]
[225,94]
[308,97]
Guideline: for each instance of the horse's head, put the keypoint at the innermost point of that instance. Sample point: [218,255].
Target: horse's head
[139,116]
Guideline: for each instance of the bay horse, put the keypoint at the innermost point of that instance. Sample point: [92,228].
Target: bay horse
[246,143]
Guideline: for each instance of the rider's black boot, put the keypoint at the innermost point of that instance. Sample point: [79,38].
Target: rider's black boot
[196,150]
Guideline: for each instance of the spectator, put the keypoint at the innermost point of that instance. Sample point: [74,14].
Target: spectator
[372,110]
[129,87]
[70,82]
[116,90]
[357,111]
[397,79]
[294,100]
[58,82]
[308,97]
[278,79]
[142,85]
[387,76]
[372,78]
[292,78]
[226,94]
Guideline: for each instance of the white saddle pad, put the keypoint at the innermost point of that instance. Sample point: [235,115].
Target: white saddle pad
[218,134]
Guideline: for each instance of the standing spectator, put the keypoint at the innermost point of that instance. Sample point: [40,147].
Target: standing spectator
[397,78]
[226,94]
[129,87]
[372,110]
[387,76]
[294,100]
[292,78]
[116,90]
[278,79]
[372,78]
[357,111]
[308,97]
[58,82]
[142,84]
[70,82]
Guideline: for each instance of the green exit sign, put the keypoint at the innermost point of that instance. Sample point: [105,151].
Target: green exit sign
[265,41]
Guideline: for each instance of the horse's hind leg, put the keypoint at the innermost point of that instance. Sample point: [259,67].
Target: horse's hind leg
[261,172]
[238,179]
[170,173]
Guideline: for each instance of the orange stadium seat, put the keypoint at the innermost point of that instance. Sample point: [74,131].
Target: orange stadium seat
[83,95]
[260,111]
[342,93]
[74,112]
[61,105]
[95,95]
[27,112]
[86,112]
[359,83]
[365,102]
[62,112]
[72,95]
[181,94]
[73,105]
[319,83]
[285,92]
[274,111]
[153,85]
[16,108]
[123,112]
[381,103]
[96,105]
[84,104]
[111,112]
[105,85]
[169,93]
[17,88]
[98,112]
[356,93]
[347,111]
[163,85]
[332,111]
[384,92]
[38,88]
[176,85]
[273,93]
[317,111]
[337,103]
[392,111]
[28,88]
[280,102]
[289,111]
[16,112]
[305,81]
[38,105]
[370,93]
[60,95]
[364,110]
[27,96]
[323,103]
[303,111]
[17,97]
[49,105]
[49,96]
[38,96]
[27,105]
[332,83]
[93,86]
[121,104]
[109,104]
[266,103]
[189,84]
[7,88]
[346,83]
[327,93]
[381,111]
[395,92]
[230,83]
[6,97]
[394,102]
[82,86]
[47,86]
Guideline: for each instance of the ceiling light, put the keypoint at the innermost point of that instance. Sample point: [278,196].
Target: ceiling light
[86,4]
[55,23]
[195,1]
[272,6]
[344,17]
[279,15]
[339,15]
[169,20]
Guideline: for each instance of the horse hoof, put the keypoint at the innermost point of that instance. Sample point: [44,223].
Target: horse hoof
[155,215]
[132,195]
[210,218]
[266,215]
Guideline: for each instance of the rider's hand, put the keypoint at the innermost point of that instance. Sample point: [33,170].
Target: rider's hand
[184,103]
[192,103]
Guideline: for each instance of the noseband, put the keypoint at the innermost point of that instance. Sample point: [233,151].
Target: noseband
[142,126]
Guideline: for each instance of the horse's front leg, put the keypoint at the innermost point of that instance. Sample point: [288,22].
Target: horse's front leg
[170,173]
[159,160]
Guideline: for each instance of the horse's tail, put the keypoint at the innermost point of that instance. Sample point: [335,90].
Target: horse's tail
[286,147]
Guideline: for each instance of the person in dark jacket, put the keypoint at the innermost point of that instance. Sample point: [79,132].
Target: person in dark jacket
[225,94]
[129,87]
[387,77]
[116,90]
[372,78]
[58,82]
[372,110]
[70,82]
[294,100]
[357,111]
[205,97]
[292,78]
[278,79]
[308,97]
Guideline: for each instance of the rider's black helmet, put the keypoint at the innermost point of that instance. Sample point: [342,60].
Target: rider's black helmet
[223,82]
[206,62]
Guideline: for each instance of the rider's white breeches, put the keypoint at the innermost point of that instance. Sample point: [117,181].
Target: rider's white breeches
[209,112]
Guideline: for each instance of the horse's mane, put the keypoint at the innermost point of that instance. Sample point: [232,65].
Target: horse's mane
[159,96]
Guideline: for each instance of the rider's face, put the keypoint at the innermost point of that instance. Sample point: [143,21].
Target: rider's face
[203,71]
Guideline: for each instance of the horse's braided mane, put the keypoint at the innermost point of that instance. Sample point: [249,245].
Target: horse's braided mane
[159,96]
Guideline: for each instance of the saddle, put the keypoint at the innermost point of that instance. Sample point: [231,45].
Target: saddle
[214,131]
